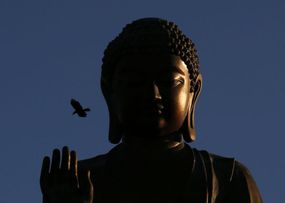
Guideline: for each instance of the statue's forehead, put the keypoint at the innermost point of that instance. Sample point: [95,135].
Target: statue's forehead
[151,62]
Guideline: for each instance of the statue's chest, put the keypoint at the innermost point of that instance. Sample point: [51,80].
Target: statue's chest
[143,180]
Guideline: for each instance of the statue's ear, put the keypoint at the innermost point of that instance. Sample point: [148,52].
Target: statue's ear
[188,127]
[115,129]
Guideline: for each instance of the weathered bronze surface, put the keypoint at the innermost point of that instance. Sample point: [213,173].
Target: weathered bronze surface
[151,82]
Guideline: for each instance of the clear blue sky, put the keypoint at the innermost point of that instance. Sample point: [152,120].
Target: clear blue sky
[50,52]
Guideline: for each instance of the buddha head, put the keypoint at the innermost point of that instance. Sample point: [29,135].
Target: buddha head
[151,82]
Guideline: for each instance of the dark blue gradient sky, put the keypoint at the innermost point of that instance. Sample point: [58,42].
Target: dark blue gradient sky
[50,52]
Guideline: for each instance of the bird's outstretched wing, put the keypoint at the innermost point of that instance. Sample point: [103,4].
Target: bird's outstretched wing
[76,105]
[78,109]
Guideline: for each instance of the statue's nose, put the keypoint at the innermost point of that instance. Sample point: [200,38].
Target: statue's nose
[156,91]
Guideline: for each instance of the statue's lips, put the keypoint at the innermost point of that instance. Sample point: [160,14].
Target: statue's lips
[152,111]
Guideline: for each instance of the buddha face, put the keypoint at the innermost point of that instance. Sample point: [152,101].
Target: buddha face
[151,94]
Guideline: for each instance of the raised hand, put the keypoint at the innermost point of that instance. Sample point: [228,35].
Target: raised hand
[61,182]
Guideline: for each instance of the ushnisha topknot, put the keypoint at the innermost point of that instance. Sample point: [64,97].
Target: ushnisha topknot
[150,36]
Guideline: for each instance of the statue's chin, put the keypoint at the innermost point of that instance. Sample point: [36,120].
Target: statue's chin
[144,131]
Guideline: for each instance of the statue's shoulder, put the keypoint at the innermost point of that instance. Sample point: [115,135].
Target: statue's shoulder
[243,186]
[234,180]
[228,168]
[234,169]
[223,167]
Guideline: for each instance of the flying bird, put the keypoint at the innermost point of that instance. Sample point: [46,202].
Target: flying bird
[78,108]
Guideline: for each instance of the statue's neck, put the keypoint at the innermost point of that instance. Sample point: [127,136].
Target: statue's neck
[152,144]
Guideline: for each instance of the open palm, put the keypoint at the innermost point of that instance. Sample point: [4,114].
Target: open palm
[61,182]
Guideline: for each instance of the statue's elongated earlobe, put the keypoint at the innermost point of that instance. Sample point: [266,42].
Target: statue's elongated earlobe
[115,129]
[188,127]
[188,130]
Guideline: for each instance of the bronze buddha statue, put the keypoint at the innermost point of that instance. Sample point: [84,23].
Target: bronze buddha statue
[151,82]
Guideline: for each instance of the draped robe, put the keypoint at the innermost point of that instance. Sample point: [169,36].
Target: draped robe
[183,174]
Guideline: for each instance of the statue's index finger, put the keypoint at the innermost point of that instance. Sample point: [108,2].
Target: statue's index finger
[44,172]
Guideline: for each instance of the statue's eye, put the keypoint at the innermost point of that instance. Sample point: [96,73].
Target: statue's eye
[171,82]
